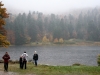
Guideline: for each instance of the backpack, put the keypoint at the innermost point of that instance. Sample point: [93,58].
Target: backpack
[24,57]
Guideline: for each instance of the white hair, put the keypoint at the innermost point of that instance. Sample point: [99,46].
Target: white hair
[35,52]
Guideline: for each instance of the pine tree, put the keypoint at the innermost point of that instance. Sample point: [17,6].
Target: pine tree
[3,15]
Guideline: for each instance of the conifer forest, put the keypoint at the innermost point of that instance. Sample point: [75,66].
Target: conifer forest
[34,26]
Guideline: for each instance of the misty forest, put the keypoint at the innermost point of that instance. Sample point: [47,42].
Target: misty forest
[34,26]
[67,41]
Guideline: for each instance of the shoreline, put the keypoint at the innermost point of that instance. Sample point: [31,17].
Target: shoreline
[79,44]
[51,70]
[71,42]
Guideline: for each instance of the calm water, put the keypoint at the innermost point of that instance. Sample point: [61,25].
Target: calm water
[57,55]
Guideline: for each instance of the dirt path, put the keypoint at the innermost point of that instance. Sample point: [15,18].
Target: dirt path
[12,73]
[7,73]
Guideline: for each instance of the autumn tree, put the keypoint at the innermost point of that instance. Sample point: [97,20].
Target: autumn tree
[3,15]
[61,40]
[45,39]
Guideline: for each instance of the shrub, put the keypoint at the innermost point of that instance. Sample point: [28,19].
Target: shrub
[76,64]
[45,39]
[1,61]
[98,60]
[61,40]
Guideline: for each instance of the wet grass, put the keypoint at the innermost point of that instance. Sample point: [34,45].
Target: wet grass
[53,70]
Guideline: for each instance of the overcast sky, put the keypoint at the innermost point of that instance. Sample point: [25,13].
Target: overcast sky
[49,6]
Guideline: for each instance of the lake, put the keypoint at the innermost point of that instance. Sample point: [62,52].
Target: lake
[56,55]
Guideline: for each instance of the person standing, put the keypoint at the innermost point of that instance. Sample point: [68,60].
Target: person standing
[21,62]
[24,58]
[6,58]
[35,58]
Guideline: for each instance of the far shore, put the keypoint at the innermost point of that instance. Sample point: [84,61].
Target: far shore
[64,44]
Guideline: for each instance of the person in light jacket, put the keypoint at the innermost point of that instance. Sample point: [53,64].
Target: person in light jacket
[24,59]
[35,58]
[6,58]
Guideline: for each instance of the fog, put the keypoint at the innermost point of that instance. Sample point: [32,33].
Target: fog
[49,6]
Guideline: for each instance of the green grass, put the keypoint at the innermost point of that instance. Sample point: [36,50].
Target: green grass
[54,70]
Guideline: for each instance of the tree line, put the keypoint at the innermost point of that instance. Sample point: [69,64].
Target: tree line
[34,26]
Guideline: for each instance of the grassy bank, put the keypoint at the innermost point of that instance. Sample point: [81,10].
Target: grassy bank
[53,70]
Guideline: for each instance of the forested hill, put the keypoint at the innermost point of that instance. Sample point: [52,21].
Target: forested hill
[34,26]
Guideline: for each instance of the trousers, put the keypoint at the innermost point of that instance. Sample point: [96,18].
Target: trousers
[24,64]
[35,62]
[21,65]
[6,66]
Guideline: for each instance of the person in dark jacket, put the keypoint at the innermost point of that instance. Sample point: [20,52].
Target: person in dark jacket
[21,62]
[35,58]
[6,58]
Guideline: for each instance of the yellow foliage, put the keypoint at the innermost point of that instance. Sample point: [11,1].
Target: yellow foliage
[61,40]
[2,22]
[3,41]
[3,15]
[45,39]
[98,55]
